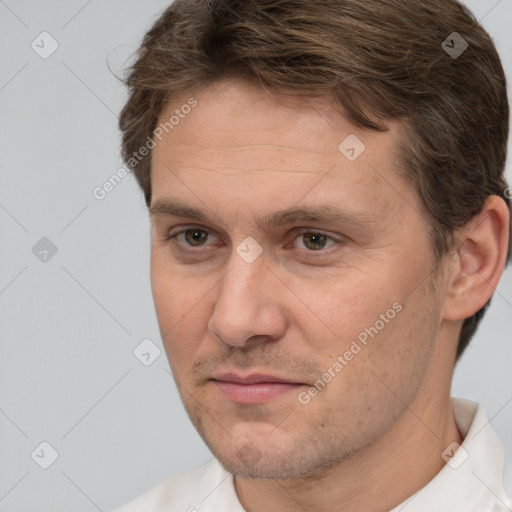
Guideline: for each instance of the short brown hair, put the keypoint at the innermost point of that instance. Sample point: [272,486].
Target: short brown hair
[379,60]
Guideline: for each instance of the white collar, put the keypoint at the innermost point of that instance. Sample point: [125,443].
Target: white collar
[472,480]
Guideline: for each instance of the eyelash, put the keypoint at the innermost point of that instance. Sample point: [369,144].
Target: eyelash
[298,232]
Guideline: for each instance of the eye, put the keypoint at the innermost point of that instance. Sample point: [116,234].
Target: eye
[195,237]
[314,240]
[191,237]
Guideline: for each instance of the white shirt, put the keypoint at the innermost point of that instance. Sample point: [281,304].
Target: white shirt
[471,481]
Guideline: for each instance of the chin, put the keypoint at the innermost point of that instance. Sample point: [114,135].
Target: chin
[265,466]
[273,462]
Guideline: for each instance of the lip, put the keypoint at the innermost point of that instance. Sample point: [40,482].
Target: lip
[253,378]
[253,389]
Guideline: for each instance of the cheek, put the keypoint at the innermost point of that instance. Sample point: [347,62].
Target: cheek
[173,294]
[339,307]
[361,331]
[180,306]
[164,291]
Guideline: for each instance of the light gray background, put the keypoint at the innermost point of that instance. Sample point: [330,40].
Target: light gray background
[68,327]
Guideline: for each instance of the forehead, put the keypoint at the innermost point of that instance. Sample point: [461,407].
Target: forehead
[237,115]
[242,143]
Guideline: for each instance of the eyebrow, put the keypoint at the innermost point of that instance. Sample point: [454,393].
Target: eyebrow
[327,213]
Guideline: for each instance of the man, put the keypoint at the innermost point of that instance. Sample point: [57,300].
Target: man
[330,218]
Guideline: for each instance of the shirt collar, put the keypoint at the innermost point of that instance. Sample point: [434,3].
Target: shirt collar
[472,478]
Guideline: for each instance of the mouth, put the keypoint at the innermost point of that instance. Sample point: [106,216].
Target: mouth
[253,389]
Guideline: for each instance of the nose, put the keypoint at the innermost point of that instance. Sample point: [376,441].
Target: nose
[249,304]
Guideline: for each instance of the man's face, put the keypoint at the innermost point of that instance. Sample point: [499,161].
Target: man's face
[232,317]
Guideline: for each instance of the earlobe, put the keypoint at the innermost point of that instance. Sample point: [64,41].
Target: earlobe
[479,261]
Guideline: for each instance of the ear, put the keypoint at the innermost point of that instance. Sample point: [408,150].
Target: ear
[478,261]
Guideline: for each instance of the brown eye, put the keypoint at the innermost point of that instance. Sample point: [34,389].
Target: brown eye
[192,237]
[195,237]
[313,241]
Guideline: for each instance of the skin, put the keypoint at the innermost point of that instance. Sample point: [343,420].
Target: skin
[386,416]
